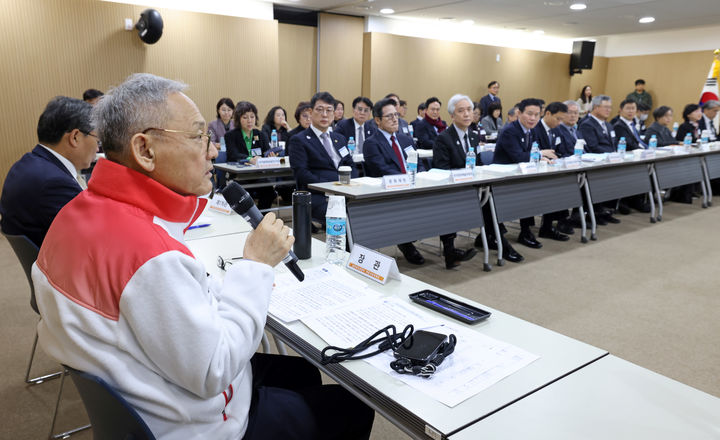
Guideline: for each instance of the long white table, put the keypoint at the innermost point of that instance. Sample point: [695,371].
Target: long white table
[609,399]
[417,414]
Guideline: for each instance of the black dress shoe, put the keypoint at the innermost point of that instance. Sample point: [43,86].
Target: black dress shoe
[528,239]
[411,253]
[642,207]
[600,220]
[455,256]
[610,219]
[565,227]
[623,209]
[511,254]
[553,234]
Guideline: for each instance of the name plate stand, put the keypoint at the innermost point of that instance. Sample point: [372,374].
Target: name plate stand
[219,204]
[648,154]
[462,175]
[572,162]
[396,181]
[615,157]
[374,265]
[268,162]
[528,167]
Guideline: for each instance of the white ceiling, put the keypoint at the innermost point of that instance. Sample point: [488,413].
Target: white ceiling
[602,17]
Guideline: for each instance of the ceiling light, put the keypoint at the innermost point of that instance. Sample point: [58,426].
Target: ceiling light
[646,20]
[578,6]
[387,11]
[539,32]
[468,22]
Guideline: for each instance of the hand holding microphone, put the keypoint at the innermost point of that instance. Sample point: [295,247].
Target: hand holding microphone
[273,239]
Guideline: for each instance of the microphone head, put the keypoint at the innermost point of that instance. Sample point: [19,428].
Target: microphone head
[238,199]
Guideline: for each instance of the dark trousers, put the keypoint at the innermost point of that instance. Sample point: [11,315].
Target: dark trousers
[289,402]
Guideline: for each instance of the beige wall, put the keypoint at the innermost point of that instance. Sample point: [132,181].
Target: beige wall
[341,56]
[63,47]
[594,77]
[674,79]
[298,66]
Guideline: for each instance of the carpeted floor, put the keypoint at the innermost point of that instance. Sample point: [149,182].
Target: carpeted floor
[645,292]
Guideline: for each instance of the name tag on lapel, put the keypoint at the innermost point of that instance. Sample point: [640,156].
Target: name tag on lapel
[405,130]
[612,133]
[557,141]
[256,152]
[343,151]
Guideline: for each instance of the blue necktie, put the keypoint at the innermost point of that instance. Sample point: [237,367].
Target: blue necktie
[637,135]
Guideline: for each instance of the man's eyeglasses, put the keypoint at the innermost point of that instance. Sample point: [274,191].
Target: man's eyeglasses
[324,111]
[93,135]
[198,136]
[391,116]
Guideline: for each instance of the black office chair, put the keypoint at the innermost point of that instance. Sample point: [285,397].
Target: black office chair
[26,252]
[111,415]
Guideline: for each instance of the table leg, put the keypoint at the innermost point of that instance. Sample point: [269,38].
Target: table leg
[591,211]
[498,237]
[653,175]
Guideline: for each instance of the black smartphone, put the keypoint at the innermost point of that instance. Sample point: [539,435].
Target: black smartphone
[450,307]
[420,347]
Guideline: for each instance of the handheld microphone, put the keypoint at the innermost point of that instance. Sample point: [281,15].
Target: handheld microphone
[242,203]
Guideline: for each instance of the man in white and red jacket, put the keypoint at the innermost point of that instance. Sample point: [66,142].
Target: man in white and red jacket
[122,297]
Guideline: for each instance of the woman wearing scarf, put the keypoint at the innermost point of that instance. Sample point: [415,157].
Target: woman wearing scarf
[427,130]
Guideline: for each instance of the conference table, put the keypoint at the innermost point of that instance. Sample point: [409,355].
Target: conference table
[378,217]
[572,388]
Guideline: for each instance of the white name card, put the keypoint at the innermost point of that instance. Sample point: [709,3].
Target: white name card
[705,147]
[572,162]
[372,264]
[648,154]
[615,157]
[679,150]
[219,204]
[396,181]
[528,167]
[462,175]
[268,162]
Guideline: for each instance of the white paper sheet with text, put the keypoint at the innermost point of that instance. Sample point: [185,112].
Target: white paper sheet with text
[478,362]
[323,289]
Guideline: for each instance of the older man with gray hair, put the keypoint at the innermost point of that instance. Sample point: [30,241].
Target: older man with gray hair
[122,297]
[710,110]
[598,134]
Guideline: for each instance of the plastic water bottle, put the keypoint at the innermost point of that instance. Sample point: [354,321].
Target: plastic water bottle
[335,230]
[351,144]
[675,129]
[412,130]
[470,158]
[687,142]
[579,147]
[273,139]
[535,153]
[705,137]
[622,145]
[412,162]
[652,145]
[222,144]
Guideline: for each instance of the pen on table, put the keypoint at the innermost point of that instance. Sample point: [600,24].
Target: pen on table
[204,225]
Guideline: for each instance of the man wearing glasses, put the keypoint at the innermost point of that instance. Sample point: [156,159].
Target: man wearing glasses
[46,179]
[359,126]
[316,153]
[123,298]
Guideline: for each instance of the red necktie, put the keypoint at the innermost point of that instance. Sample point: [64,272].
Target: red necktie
[399,155]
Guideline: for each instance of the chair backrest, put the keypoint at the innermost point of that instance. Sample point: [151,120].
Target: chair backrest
[111,416]
[487,157]
[27,252]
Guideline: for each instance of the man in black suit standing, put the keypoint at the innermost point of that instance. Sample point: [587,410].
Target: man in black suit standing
[359,126]
[513,146]
[316,153]
[598,134]
[46,179]
[386,154]
[431,126]
[485,101]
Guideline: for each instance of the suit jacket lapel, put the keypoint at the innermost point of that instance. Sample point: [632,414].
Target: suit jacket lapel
[457,142]
[315,141]
[42,152]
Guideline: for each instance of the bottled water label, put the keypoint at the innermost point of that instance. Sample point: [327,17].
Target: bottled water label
[335,226]
[535,156]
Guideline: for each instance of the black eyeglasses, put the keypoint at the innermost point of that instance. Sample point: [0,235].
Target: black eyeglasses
[99,143]
[202,137]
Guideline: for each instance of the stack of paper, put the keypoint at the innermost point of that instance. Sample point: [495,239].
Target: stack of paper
[594,157]
[500,168]
[435,175]
[372,181]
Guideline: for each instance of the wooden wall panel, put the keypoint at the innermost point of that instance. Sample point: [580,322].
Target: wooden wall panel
[298,65]
[595,78]
[63,47]
[341,56]
[674,79]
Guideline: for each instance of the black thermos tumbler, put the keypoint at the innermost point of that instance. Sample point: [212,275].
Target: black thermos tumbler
[302,227]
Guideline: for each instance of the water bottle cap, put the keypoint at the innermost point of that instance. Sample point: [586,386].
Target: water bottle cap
[622,138]
[352,138]
[653,136]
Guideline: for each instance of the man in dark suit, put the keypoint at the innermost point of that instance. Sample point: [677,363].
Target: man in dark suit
[386,154]
[485,101]
[316,153]
[403,126]
[567,131]
[44,180]
[513,146]
[449,152]
[599,137]
[626,127]
[359,126]
[428,129]
[598,134]
[710,110]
